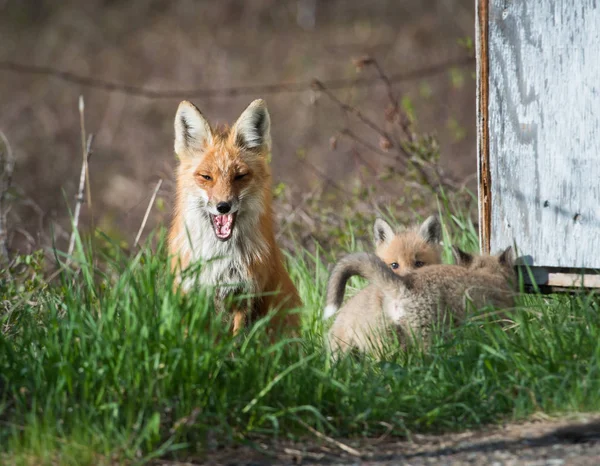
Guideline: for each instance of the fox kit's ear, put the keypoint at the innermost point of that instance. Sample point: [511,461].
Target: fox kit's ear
[431,230]
[461,257]
[253,128]
[382,231]
[506,257]
[192,131]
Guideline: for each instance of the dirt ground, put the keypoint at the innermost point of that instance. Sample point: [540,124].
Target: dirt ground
[571,441]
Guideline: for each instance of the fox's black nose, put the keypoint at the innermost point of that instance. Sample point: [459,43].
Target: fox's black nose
[223,207]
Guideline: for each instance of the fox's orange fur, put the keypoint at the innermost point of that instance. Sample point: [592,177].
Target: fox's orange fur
[223,215]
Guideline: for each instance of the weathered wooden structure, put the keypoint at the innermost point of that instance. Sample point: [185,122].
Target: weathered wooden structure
[538,67]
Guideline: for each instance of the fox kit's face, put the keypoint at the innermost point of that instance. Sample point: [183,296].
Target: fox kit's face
[501,264]
[409,249]
[224,172]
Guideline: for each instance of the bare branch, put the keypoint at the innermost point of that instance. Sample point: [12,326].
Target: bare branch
[403,119]
[150,204]
[364,162]
[290,217]
[352,136]
[421,165]
[337,443]
[7,163]
[326,178]
[319,86]
[370,61]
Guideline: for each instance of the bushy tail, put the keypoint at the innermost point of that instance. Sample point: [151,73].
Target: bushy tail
[365,265]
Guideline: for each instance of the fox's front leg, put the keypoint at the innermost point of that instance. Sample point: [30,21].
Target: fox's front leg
[239,320]
[225,307]
[236,309]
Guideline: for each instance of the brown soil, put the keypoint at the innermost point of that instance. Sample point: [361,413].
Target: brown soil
[569,441]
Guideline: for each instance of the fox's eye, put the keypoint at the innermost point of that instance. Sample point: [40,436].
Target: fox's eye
[206,177]
[394,265]
[240,176]
[419,264]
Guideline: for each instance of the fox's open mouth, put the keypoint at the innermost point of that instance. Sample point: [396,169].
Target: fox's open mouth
[223,225]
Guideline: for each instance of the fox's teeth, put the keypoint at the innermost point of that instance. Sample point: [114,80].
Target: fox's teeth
[224,219]
[223,225]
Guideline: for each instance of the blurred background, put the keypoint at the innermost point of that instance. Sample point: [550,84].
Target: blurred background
[327,163]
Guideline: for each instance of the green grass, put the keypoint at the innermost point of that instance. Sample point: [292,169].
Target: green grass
[110,362]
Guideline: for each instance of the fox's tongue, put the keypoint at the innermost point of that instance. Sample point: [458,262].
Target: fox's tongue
[223,224]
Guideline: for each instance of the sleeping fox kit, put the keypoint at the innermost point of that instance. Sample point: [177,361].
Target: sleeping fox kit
[414,301]
[401,250]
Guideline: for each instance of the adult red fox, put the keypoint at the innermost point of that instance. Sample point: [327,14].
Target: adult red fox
[223,216]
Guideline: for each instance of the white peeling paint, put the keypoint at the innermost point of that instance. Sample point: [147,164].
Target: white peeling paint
[544,129]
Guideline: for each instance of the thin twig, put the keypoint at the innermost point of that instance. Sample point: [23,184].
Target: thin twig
[370,61]
[350,135]
[337,443]
[263,89]
[388,84]
[388,430]
[84,152]
[290,217]
[319,86]
[150,204]
[300,455]
[7,163]
[396,157]
[79,198]
[365,163]
[26,235]
[402,118]
[420,165]
[324,177]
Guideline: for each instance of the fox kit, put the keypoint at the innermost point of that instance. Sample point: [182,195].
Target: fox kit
[401,251]
[223,216]
[412,302]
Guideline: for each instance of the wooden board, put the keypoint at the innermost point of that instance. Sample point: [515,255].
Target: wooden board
[539,135]
[483,148]
[559,279]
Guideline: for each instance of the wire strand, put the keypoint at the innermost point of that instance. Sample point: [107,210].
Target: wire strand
[277,88]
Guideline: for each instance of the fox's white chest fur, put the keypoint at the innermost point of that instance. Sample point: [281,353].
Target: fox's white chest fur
[222,263]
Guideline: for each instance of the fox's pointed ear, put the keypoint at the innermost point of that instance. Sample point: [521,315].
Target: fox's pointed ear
[382,231]
[192,131]
[253,128]
[431,230]
[461,257]
[506,257]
